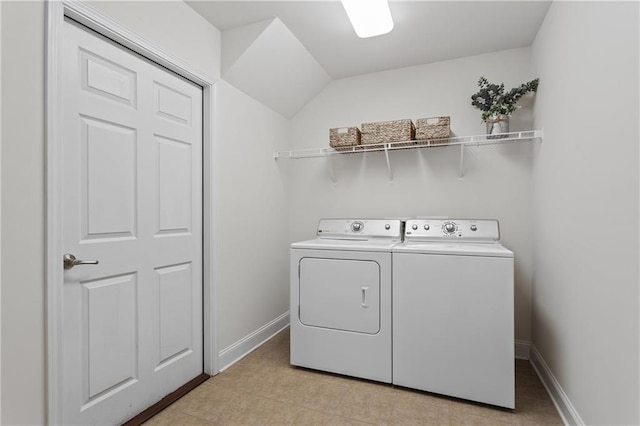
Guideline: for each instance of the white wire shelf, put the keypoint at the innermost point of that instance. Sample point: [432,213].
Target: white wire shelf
[476,140]
[461,141]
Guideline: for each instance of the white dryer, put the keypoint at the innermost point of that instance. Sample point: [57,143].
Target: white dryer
[341,298]
[453,325]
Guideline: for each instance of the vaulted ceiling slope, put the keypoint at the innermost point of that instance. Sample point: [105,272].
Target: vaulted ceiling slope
[267,62]
[424,32]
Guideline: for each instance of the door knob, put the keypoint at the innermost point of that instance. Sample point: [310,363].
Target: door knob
[70,261]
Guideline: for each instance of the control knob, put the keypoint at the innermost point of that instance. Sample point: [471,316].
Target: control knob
[426,227]
[357,226]
[474,228]
[387,226]
[449,227]
[414,227]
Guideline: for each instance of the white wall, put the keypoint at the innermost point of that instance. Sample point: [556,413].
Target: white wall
[0,207]
[585,292]
[23,310]
[252,215]
[497,183]
[273,68]
[172,25]
[191,39]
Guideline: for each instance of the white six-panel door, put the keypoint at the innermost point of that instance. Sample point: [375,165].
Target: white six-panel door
[132,199]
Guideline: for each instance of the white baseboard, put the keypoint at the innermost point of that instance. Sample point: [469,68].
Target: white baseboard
[523,349]
[564,406]
[234,353]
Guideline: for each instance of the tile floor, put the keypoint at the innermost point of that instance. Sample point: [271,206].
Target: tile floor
[263,389]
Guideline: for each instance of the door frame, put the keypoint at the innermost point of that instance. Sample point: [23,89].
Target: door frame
[96,21]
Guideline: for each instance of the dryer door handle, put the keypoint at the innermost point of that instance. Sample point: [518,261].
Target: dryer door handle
[364,297]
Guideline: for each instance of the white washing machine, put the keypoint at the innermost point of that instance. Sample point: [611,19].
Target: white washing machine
[453,321]
[341,298]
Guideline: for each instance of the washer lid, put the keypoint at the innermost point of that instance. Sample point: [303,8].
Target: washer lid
[464,249]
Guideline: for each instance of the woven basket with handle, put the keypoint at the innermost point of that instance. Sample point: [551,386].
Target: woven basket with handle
[344,138]
[433,130]
[388,132]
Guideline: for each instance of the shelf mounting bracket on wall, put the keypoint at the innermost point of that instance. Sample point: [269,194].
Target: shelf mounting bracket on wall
[332,174]
[461,165]
[386,156]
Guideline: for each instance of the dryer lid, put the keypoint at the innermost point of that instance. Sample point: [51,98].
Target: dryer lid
[346,244]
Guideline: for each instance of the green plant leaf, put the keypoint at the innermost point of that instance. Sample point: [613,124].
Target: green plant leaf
[492,100]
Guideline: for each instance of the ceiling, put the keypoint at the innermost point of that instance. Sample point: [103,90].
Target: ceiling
[424,32]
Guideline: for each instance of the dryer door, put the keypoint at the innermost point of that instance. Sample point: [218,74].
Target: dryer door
[341,294]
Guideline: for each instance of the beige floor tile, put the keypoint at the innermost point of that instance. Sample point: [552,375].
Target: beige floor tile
[532,378]
[255,411]
[306,373]
[316,375]
[214,403]
[536,406]
[282,337]
[264,388]
[465,419]
[419,409]
[198,401]
[265,359]
[280,386]
[538,394]
[412,396]
[174,417]
[367,402]
[320,394]
[300,416]
[243,378]
[370,386]
[538,420]
[460,409]
[276,346]
[524,367]
[344,421]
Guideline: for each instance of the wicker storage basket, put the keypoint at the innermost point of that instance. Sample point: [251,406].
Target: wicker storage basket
[344,138]
[388,131]
[428,129]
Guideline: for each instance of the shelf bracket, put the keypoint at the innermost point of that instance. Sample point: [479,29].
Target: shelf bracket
[386,156]
[461,165]
[332,174]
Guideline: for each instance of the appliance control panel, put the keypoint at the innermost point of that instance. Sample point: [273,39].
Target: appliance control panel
[482,230]
[361,228]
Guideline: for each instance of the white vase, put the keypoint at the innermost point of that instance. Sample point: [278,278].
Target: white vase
[496,125]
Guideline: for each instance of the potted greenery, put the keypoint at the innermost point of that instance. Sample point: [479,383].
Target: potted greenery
[496,105]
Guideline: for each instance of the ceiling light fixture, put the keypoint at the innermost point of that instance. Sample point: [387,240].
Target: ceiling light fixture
[369,17]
